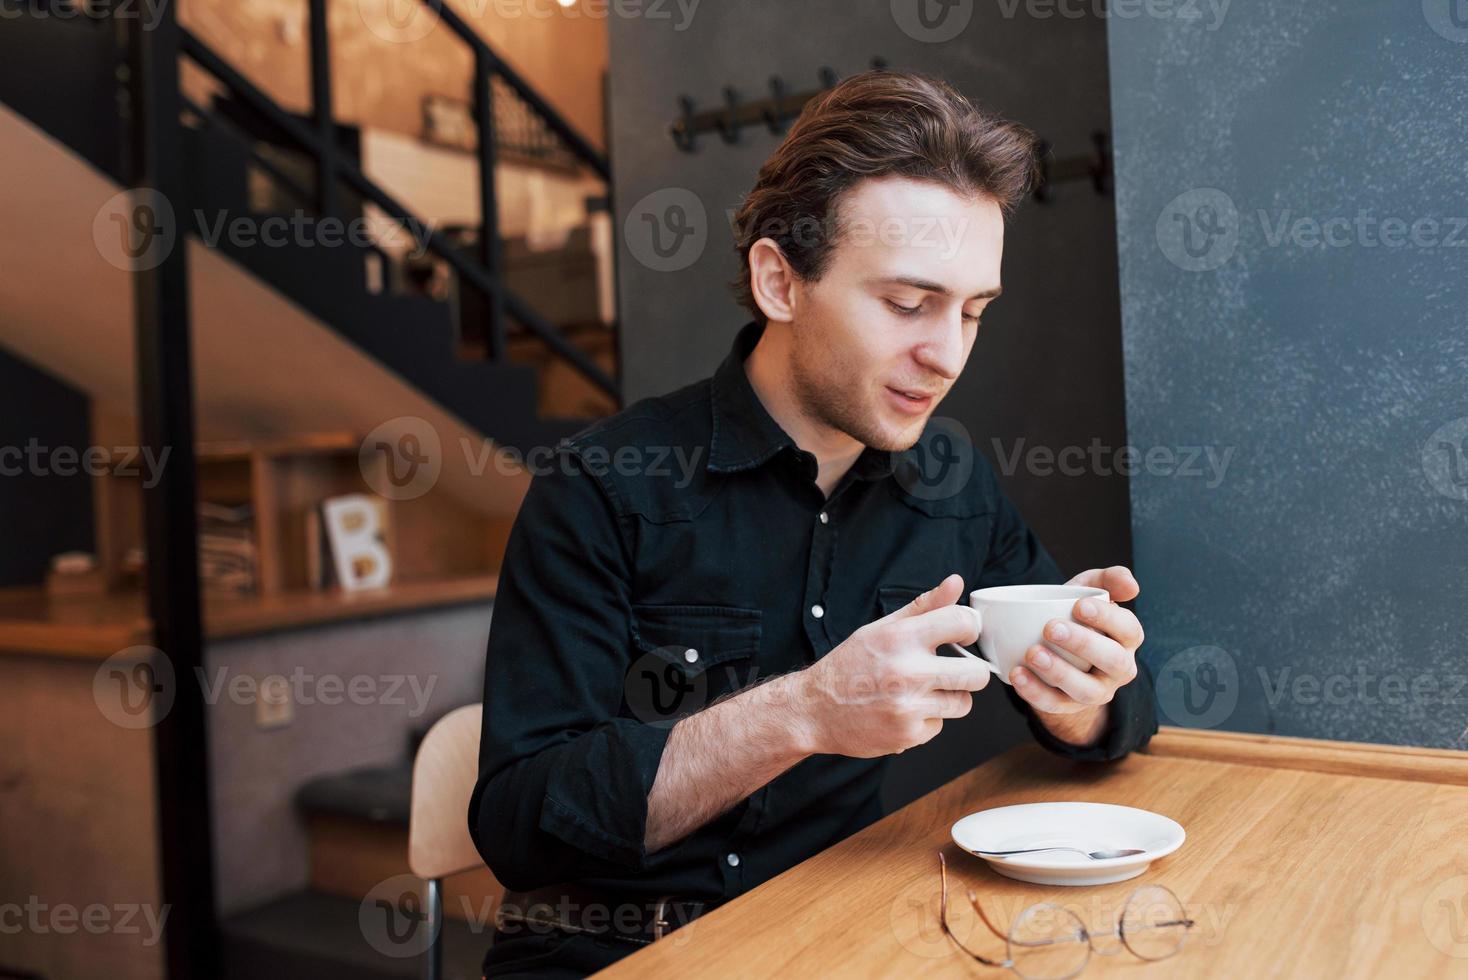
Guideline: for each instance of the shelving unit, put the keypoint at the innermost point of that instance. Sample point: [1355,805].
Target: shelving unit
[443,552]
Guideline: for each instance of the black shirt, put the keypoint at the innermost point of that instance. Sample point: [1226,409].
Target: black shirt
[670,555]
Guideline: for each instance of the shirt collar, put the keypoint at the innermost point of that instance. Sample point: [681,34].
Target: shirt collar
[744,433]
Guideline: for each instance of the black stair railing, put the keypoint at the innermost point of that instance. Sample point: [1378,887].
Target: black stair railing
[483,271]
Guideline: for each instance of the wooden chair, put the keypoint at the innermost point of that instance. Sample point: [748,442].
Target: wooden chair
[439,845]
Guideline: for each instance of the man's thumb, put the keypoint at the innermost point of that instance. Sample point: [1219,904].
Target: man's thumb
[945,593]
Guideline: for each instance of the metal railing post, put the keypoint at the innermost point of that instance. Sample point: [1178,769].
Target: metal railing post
[166,426]
[489,230]
[326,168]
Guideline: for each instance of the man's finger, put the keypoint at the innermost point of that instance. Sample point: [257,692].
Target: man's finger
[955,674]
[1081,686]
[948,704]
[1095,649]
[945,593]
[948,624]
[1118,581]
[1040,695]
[1117,622]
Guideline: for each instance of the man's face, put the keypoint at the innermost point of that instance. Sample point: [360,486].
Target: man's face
[880,338]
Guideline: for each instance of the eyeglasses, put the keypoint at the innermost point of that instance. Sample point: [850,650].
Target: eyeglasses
[1050,942]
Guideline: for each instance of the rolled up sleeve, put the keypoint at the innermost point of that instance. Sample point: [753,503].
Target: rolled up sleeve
[564,774]
[1016,557]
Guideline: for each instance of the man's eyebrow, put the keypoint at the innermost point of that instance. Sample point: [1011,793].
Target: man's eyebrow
[933,287]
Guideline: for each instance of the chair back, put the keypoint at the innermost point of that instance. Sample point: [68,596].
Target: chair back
[444,775]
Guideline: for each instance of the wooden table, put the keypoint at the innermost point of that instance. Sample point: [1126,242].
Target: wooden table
[1303,859]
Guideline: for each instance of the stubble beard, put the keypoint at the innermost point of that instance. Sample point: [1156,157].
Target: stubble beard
[822,383]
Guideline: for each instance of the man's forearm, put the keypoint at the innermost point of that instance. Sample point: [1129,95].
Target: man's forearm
[720,755]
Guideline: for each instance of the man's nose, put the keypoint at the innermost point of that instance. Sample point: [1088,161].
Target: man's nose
[943,351]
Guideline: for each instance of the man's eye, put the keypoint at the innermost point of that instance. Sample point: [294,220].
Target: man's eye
[904,310]
[972,317]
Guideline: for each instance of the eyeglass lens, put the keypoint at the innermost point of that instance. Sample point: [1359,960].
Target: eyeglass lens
[1048,942]
[1153,923]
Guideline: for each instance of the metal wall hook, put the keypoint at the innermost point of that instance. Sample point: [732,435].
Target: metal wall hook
[682,127]
[1101,173]
[774,112]
[1095,168]
[728,125]
[1042,179]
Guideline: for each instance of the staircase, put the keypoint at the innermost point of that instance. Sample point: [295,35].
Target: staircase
[490,358]
[486,357]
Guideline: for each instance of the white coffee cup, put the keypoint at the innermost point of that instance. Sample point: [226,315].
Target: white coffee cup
[1012,619]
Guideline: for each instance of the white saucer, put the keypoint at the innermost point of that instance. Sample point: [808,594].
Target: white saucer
[1090,826]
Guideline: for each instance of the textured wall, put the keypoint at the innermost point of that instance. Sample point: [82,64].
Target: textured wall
[1292,201]
[259,837]
[1046,371]
[77,829]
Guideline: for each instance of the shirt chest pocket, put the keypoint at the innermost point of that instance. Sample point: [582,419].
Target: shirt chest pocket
[688,656]
[891,598]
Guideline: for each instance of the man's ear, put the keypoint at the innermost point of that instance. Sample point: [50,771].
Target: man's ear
[772,281]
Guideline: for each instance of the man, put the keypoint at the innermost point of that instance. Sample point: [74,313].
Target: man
[721,610]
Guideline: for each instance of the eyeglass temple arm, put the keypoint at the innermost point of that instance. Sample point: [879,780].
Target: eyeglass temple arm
[943,918]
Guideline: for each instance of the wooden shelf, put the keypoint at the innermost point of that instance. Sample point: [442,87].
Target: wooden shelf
[242,616]
[96,627]
[443,551]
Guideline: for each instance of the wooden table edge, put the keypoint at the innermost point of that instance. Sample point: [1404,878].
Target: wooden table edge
[1404,762]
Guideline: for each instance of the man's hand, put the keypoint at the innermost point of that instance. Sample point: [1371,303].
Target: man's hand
[1069,701]
[881,691]
[885,689]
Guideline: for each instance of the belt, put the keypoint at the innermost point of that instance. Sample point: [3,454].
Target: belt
[573,909]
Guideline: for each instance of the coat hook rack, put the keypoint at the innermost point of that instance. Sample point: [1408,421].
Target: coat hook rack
[1096,167]
[772,112]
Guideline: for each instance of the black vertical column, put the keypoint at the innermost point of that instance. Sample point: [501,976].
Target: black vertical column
[166,424]
[489,227]
[326,194]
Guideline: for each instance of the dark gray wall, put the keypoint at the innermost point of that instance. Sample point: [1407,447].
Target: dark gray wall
[1319,589]
[1047,366]
[44,513]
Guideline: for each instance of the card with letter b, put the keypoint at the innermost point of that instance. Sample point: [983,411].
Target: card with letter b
[356,531]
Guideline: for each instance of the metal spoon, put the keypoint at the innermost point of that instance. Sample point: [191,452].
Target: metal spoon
[1093,855]
[974,656]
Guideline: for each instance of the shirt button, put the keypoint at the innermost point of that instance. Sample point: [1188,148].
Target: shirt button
[690,655]
[818,610]
[733,860]
[825,518]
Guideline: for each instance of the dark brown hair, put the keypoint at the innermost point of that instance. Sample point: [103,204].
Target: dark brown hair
[875,124]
